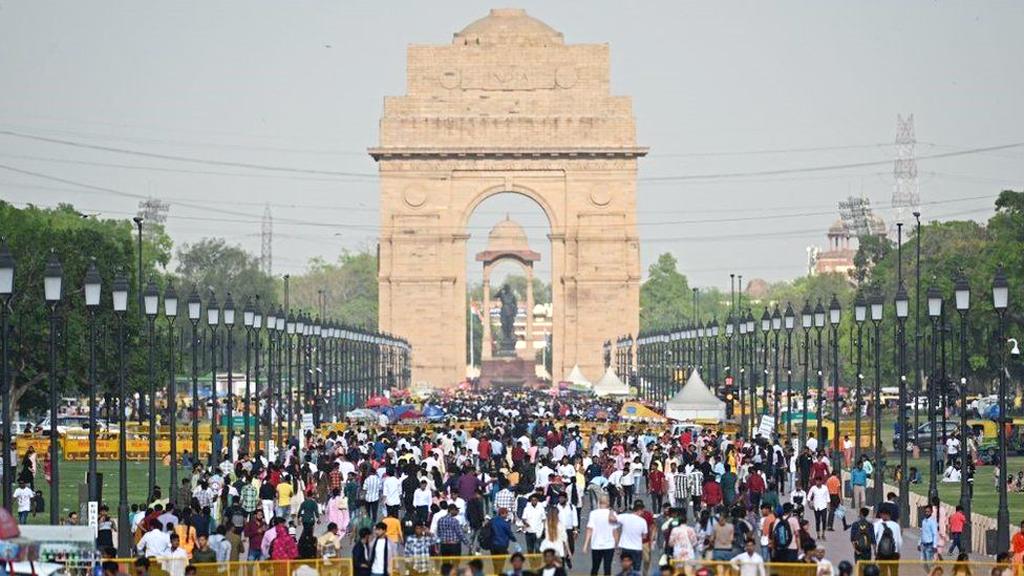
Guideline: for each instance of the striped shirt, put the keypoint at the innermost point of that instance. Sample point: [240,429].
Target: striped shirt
[690,485]
[372,488]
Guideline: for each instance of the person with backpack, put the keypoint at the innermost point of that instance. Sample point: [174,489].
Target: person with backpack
[862,537]
[784,545]
[889,540]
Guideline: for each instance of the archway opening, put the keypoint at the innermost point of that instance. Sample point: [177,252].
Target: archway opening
[508,289]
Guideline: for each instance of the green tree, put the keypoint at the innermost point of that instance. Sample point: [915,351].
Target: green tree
[31,234]
[665,297]
[345,290]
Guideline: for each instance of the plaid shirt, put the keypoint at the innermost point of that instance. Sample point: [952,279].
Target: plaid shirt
[449,530]
[334,479]
[249,498]
[372,486]
[505,498]
[417,548]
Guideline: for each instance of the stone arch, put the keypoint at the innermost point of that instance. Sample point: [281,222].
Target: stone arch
[508,107]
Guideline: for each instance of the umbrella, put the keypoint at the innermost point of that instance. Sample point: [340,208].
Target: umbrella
[410,415]
[377,402]
[433,412]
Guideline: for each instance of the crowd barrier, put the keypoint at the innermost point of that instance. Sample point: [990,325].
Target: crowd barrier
[864,568]
[492,565]
[176,567]
[726,568]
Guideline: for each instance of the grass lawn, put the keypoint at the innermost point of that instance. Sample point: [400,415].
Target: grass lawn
[72,474]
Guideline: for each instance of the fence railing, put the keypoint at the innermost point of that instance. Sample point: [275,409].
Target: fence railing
[176,567]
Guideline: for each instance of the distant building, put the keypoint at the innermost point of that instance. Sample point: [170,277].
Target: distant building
[837,257]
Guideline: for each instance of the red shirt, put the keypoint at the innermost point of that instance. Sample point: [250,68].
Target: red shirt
[649,518]
[656,481]
[755,484]
[712,493]
[484,449]
[956,522]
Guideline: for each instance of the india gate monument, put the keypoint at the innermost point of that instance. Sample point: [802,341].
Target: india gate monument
[508,107]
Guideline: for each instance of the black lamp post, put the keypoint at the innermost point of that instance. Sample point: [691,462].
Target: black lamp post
[258,322]
[962,293]
[776,327]
[6,293]
[877,307]
[277,387]
[194,310]
[93,286]
[213,320]
[171,313]
[860,314]
[248,319]
[902,311]
[120,299]
[819,405]
[934,312]
[766,326]
[714,351]
[806,321]
[742,361]
[789,322]
[289,332]
[1000,301]
[752,353]
[151,306]
[835,311]
[229,323]
[53,278]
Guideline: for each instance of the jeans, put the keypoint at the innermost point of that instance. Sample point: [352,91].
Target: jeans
[255,554]
[927,551]
[722,554]
[598,557]
[532,543]
[821,521]
[955,542]
[22,517]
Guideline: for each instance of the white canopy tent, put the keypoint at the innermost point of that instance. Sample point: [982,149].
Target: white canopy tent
[577,378]
[610,385]
[695,401]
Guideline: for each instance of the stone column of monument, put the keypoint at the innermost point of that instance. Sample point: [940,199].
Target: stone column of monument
[485,346]
[529,313]
[508,107]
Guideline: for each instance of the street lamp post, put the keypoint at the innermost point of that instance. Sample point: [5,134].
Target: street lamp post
[877,307]
[93,287]
[766,326]
[229,323]
[151,304]
[194,310]
[962,293]
[714,352]
[776,327]
[6,292]
[271,322]
[752,350]
[248,320]
[171,313]
[289,332]
[213,320]
[806,321]
[902,311]
[789,322]
[53,278]
[1000,301]
[120,300]
[819,412]
[834,313]
[860,314]
[934,312]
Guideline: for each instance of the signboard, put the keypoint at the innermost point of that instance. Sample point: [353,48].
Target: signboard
[767,426]
[307,421]
[728,380]
[94,517]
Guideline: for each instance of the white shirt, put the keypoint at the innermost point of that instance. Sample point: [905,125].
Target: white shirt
[154,544]
[567,516]
[24,497]
[599,522]
[818,496]
[421,497]
[633,528]
[748,564]
[392,491]
[952,446]
[812,445]
[896,534]
[380,547]
[534,518]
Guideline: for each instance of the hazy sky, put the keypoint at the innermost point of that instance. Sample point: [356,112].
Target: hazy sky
[717,87]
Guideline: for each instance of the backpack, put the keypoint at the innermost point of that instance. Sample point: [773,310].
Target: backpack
[485,536]
[887,543]
[740,531]
[863,541]
[782,534]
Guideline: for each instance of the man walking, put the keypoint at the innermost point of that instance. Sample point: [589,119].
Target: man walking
[862,537]
[601,537]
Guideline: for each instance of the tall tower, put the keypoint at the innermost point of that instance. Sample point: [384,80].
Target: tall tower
[267,242]
[905,192]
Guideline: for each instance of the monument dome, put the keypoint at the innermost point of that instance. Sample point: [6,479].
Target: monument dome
[508,26]
[507,236]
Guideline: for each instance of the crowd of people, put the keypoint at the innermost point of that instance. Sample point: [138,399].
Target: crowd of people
[519,486]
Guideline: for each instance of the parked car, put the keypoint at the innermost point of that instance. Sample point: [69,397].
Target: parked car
[68,424]
[924,433]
